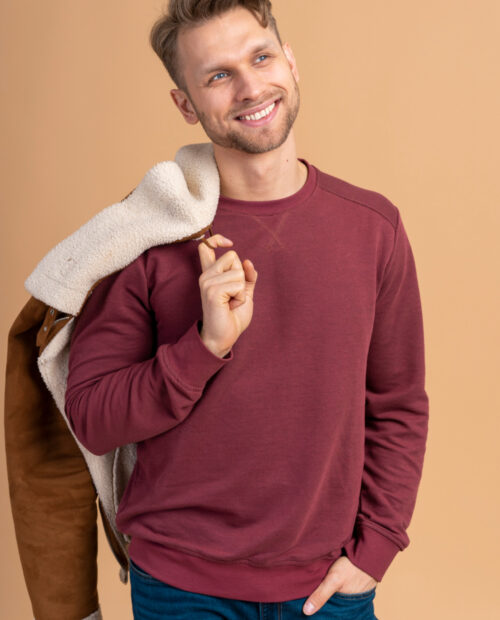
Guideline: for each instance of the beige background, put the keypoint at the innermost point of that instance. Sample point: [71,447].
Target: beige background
[398,96]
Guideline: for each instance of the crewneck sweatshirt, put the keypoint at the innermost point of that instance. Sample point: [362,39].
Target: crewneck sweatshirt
[306,442]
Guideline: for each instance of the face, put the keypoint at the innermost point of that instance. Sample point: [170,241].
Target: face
[241,84]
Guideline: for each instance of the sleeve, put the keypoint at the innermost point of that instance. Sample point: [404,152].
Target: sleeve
[396,416]
[121,388]
[49,485]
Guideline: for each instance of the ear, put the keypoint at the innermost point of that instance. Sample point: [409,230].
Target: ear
[182,101]
[287,50]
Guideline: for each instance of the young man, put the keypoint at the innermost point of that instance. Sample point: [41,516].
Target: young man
[280,464]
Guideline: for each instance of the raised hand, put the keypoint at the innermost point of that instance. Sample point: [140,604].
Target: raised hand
[227,287]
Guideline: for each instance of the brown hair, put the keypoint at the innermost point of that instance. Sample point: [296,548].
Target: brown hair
[189,13]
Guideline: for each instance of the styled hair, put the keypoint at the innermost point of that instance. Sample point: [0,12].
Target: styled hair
[189,13]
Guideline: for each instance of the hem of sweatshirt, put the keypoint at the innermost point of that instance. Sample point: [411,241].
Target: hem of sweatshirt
[370,551]
[229,580]
[190,362]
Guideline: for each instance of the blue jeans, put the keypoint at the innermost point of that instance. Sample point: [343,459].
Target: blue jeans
[155,600]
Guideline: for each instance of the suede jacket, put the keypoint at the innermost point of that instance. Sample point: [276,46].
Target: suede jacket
[54,481]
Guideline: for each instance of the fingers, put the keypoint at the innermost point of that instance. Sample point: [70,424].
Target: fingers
[227,271]
[330,584]
[229,260]
[206,242]
[250,271]
[206,249]
[227,284]
[340,573]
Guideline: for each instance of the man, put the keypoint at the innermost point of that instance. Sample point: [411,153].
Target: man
[277,390]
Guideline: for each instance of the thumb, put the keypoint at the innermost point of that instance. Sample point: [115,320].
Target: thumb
[250,276]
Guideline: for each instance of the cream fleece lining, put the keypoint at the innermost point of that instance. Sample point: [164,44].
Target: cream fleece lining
[174,200]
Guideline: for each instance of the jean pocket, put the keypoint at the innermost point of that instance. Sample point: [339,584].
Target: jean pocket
[356,595]
[138,571]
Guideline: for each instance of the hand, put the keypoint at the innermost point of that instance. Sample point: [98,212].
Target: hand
[342,576]
[227,288]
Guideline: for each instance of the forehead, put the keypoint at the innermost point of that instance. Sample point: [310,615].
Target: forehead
[222,40]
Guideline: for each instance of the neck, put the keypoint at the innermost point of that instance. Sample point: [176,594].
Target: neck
[262,176]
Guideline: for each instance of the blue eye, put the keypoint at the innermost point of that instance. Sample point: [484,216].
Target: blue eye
[215,76]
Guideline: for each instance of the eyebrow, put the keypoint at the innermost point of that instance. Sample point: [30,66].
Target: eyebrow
[266,44]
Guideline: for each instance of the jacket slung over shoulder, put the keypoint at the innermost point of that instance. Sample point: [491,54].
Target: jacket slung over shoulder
[54,481]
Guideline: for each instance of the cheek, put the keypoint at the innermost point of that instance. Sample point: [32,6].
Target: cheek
[210,113]
[282,78]
[219,108]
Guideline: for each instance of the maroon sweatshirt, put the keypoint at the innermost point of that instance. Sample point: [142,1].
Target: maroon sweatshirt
[256,471]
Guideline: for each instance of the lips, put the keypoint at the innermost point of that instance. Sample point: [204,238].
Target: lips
[265,120]
[257,109]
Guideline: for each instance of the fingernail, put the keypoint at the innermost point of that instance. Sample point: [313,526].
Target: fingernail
[308,608]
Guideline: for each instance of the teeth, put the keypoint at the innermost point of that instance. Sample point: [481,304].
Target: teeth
[257,115]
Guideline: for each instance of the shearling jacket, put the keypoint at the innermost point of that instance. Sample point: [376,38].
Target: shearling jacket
[54,481]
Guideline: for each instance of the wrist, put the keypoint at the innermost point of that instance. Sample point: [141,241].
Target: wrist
[211,346]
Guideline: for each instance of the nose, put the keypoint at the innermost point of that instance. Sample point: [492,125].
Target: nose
[249,86]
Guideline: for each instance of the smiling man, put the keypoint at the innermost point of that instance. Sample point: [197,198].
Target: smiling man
[283,427]
[240,83]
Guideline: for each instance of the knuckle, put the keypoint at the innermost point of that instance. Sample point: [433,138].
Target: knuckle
[209,293]
[206,285]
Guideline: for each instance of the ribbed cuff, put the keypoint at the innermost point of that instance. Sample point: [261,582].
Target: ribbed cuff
[370,551]
[191,360]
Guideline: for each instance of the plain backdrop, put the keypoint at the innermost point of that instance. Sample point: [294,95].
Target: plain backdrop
[398,96]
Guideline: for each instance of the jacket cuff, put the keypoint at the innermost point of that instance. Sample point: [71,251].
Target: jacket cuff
[191,361]
[370,551]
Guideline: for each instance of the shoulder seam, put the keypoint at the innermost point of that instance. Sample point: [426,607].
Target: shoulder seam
[335,193]
[391,257]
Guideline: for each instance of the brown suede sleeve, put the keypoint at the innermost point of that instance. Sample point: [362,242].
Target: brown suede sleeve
[53,498]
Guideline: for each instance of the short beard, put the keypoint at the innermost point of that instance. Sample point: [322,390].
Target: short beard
[234,140]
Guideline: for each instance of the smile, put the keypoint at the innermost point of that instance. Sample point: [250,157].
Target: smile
[262,117]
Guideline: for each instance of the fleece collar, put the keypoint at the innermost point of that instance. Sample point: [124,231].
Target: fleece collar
[174,200]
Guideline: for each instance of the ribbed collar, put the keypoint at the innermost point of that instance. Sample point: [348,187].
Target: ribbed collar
[267,207]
